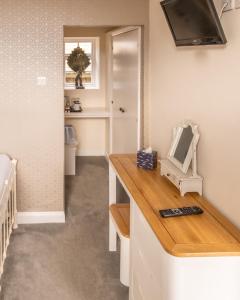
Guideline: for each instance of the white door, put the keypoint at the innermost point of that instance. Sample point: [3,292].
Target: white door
[126,91]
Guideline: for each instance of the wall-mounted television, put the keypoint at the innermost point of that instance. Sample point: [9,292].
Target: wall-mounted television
[193,22]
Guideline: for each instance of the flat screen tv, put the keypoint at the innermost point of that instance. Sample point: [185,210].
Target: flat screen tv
[193,22]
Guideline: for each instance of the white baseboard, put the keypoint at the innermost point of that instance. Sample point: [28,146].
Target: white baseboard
[89,153]
[41,217]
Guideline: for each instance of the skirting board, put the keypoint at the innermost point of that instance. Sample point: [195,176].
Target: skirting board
[41,217]
[89,153]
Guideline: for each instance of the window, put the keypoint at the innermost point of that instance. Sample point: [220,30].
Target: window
[90,77]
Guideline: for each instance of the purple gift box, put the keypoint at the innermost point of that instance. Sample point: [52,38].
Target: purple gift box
[147,160]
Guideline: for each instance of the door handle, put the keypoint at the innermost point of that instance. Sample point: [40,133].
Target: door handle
[122,109]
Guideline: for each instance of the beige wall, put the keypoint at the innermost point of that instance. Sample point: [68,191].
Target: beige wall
[201,84]
[31,116]
[91,134]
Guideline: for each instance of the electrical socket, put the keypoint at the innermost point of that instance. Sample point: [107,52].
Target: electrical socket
[230,4]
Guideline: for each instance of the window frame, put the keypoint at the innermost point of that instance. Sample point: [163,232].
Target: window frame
[95,60]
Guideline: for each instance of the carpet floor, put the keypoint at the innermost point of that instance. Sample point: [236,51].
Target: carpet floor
[67,261]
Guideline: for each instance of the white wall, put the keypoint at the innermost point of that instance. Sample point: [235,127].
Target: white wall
[91,133]
[31,116]
[91,136]
[201,84]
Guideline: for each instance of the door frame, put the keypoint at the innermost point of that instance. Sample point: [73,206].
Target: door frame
[109,37]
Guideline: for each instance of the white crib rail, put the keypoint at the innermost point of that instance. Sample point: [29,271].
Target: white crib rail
[8,212]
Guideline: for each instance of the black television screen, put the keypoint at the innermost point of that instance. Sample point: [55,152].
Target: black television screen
[193,22]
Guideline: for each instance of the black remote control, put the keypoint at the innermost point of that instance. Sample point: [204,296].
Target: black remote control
[182,211]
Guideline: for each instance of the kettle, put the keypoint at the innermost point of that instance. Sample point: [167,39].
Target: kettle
[76,106]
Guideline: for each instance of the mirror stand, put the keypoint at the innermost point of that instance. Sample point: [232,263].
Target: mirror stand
[182,153]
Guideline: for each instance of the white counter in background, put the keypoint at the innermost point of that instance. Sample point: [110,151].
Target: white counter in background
[95,113]
[92,129]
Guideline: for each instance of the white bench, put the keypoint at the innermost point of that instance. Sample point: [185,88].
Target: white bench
[120,216]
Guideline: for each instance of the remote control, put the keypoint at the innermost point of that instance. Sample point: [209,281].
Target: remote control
[182,211]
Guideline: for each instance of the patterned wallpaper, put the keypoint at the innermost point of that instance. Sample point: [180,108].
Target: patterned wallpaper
[31,116]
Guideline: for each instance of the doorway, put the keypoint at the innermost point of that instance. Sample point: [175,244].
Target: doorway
[115,73]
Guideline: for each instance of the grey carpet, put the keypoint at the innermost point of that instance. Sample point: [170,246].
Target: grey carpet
[67,261]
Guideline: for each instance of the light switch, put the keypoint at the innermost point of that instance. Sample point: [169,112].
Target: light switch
[41,80]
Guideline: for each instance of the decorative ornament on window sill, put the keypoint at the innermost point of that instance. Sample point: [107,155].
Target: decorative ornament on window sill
[78,61]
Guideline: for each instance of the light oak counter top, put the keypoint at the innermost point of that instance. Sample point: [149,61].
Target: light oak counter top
[209,234]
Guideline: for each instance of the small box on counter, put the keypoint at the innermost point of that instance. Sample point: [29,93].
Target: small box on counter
[147,159]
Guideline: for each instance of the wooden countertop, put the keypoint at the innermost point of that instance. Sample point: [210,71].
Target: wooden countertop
[209,234]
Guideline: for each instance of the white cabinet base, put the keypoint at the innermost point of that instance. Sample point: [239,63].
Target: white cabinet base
[157,275]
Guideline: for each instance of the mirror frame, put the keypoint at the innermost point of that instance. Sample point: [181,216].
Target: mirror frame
[192,148]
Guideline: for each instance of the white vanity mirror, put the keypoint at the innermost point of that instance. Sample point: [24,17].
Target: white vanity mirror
[180,167]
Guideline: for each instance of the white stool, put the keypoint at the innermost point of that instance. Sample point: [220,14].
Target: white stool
[120,215]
